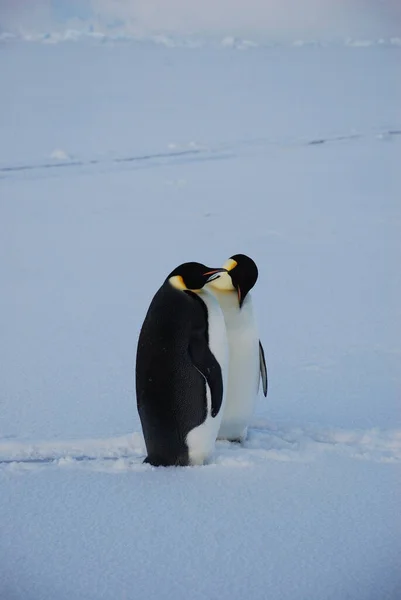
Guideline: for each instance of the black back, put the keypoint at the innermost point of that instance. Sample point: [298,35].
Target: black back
[172,365]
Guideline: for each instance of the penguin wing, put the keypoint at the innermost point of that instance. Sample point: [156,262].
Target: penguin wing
[263,369]
[204,361]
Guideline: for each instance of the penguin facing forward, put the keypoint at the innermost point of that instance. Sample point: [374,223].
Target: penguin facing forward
[246,355]
[181,369]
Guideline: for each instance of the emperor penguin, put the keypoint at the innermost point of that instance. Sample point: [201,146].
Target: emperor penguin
[246,355]
[181,368]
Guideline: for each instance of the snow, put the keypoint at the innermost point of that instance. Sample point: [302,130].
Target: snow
[59,154]
[118,161]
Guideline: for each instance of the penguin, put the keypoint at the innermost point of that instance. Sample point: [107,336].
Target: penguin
[181,369]
[247,364]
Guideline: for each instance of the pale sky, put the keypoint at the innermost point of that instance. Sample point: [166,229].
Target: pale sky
[289,19]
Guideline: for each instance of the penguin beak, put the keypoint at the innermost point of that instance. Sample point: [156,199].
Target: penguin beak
[214,274]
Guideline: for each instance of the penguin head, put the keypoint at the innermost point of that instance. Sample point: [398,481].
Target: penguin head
[193,276]
[241,275]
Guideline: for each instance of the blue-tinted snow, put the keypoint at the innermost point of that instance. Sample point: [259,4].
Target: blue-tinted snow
[117,162]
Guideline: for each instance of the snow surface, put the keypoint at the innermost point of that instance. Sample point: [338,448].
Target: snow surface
[118,161]
[276,20]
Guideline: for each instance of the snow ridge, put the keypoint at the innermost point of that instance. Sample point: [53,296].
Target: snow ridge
[266,442]
[179,41]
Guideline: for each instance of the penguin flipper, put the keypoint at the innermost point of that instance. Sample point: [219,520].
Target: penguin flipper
[204,361]
[263,369]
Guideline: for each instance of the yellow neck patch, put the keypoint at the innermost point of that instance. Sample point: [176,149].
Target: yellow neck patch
[223,283]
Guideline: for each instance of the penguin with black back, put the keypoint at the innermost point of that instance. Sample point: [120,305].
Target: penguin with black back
[247,364]
[181,368]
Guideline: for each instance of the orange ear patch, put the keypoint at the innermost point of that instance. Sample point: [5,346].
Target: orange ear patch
[230,264]
[178,282]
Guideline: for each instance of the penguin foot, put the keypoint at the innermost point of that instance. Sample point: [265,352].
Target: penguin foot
[157,461]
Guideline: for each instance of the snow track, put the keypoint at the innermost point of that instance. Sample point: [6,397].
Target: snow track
[221,151]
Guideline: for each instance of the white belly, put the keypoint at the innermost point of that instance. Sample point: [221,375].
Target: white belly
[244,368]
[201,440]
